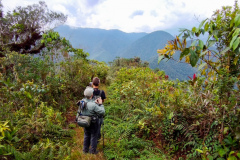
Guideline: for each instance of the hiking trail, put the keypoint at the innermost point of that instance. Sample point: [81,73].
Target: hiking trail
[78,138]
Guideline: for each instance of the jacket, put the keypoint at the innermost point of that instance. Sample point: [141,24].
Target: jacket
[93,109]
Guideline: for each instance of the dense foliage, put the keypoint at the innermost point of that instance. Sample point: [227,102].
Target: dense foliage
[35,97]
[37,93]
[212,127]
[183,118]
[132,106]
[148,115]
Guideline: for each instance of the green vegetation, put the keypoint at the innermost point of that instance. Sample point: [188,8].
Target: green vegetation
[36,94]
[210,125]
[148,116]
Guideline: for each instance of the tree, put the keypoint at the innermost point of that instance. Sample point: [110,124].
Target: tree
[22,29]
[223,32]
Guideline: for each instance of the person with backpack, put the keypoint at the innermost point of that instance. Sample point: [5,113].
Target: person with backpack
[96,94]
[94,109]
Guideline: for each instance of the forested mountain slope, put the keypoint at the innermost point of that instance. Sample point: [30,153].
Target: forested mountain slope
[147,46]
[103,45]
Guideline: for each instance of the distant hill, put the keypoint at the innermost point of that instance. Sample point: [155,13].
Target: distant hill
[103,45]
[147,46]
[106,45]
[175,70]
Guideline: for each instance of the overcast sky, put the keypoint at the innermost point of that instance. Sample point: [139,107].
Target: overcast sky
[131,15]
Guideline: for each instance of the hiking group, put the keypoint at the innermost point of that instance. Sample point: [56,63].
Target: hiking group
[94,108]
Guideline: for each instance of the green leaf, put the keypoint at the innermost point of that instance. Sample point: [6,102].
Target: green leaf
[28,95]
[233,39]
[201,24]
[16,14]
[232,152]
[193,58]
[201,66]
[202,30]
[193,43]
[200,43]
[1,146]
[160,58]
[232,158]
[237,20]
[194,29]
[238,154]
[215,36]
[49,39]
[199,150]
[225,130]
[210,157]
[44,35]
[236,32]
[206,26]
[225,50]
[236,43]
[222,152]
[185,36]
[203,53]
[170,116]
[236,60]
[184,53]
[211,43]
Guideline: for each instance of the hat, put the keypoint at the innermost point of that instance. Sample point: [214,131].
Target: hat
[88,92]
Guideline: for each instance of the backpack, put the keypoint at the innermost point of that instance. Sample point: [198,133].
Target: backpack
[82,121]
[98,95]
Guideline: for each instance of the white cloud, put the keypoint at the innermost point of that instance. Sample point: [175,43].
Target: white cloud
[113,14]
[60,8]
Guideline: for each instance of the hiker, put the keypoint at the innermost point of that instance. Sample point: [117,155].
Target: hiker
[94,109]
[98,93]
[90,84]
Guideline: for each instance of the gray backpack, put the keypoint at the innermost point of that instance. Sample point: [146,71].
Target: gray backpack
[82,121]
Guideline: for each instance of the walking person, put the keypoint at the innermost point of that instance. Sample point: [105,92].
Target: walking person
[96,94]
[93,109]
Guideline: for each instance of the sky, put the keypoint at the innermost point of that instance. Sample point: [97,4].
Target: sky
[131,15]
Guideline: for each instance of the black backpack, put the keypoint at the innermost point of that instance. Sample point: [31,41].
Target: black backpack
[98,95]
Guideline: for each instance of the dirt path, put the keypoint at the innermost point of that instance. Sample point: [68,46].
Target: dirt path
[77,153]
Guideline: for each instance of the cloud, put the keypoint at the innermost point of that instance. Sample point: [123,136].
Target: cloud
[136,13]
[154,13]
[131,16]
[91,3]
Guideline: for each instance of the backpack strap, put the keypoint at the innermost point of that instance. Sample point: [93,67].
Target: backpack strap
[101,93]
[82,106]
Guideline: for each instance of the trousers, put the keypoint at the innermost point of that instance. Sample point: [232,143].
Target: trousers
[99,127]
[91,137]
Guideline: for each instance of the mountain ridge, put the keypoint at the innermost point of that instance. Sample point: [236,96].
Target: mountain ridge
[106,45]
